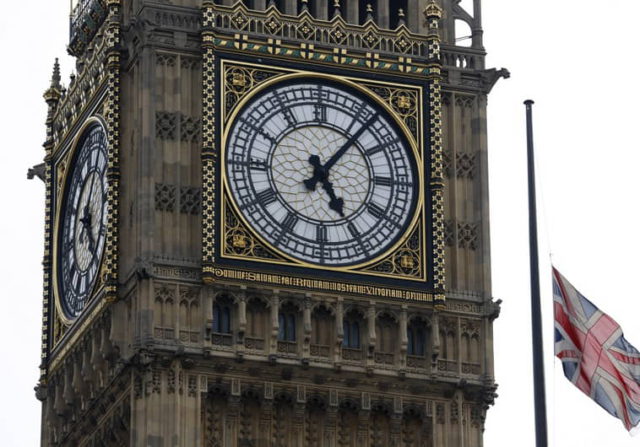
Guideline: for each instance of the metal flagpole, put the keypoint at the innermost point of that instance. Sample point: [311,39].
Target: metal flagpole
[536,316]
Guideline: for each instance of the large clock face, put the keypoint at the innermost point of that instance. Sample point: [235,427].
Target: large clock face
[83,222]
[321,172]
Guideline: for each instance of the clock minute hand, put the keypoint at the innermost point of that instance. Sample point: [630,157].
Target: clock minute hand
[335,157]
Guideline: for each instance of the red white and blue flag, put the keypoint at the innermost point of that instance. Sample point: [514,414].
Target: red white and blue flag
[595,355]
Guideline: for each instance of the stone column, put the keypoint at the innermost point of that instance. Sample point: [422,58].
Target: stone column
[382,13]
[403,336]
[275,322]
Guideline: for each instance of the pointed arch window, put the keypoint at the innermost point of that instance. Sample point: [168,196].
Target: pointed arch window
[287,325]
[417,339]
[221,318]
[351,328]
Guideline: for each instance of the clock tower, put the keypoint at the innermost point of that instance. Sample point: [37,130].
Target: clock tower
[267,224]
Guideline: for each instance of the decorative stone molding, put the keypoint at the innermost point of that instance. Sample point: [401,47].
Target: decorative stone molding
[167,125]
[165,197]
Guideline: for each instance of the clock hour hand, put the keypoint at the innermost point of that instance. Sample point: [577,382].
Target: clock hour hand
[335,203]
[86,226]
[319,173]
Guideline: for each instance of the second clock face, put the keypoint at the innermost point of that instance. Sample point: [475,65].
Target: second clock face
[84,216]
[321,172]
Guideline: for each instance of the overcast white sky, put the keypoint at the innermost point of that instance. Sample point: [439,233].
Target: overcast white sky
[577,59]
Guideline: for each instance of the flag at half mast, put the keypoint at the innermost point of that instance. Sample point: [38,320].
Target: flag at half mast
[595,355]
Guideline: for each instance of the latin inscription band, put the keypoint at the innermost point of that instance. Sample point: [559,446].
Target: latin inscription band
[330,286]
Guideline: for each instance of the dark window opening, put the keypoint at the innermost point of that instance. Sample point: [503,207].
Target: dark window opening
[351,334]
[221,319]
[287,325]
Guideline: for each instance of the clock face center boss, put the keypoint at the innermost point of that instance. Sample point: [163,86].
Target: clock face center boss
[321,171]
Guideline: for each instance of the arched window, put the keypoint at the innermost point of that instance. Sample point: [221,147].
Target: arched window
[287,324]
[417,339]
[221,318]
[351,333]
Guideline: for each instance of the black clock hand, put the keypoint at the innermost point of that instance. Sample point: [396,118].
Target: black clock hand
[332,161]
[86,227]
[335,203]
[86,219]
[321,172]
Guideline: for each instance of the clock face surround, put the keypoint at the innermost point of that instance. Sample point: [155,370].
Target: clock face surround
[321,172]
[82,222]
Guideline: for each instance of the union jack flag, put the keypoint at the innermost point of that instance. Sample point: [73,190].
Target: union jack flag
[595,355]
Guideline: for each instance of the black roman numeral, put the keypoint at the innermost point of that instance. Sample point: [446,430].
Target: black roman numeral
[382,181]
[353,230]
[320,112]
[266,197]
[375,210]
[321,234]
[289,222]
[266,135]
[375,149]
[257,164]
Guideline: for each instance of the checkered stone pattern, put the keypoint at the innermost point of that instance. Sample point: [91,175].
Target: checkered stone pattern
[208,142]
[46,264]
[208,14]
[433,49]
[113,137]
[437,183]
[435,124]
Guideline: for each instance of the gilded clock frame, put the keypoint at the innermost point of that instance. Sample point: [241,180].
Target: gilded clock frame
[290,43]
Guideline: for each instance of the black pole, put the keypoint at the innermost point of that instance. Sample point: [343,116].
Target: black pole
[536,316]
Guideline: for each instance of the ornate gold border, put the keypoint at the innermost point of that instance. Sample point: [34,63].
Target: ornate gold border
[208,155]
[354,83]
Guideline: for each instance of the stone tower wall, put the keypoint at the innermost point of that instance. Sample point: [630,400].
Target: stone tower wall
[161,375]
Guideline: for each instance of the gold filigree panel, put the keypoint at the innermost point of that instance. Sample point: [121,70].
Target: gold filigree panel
[408,260]
[239,80]
[405,102]
[240,242]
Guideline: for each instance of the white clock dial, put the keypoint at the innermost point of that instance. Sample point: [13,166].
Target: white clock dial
[321,172]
